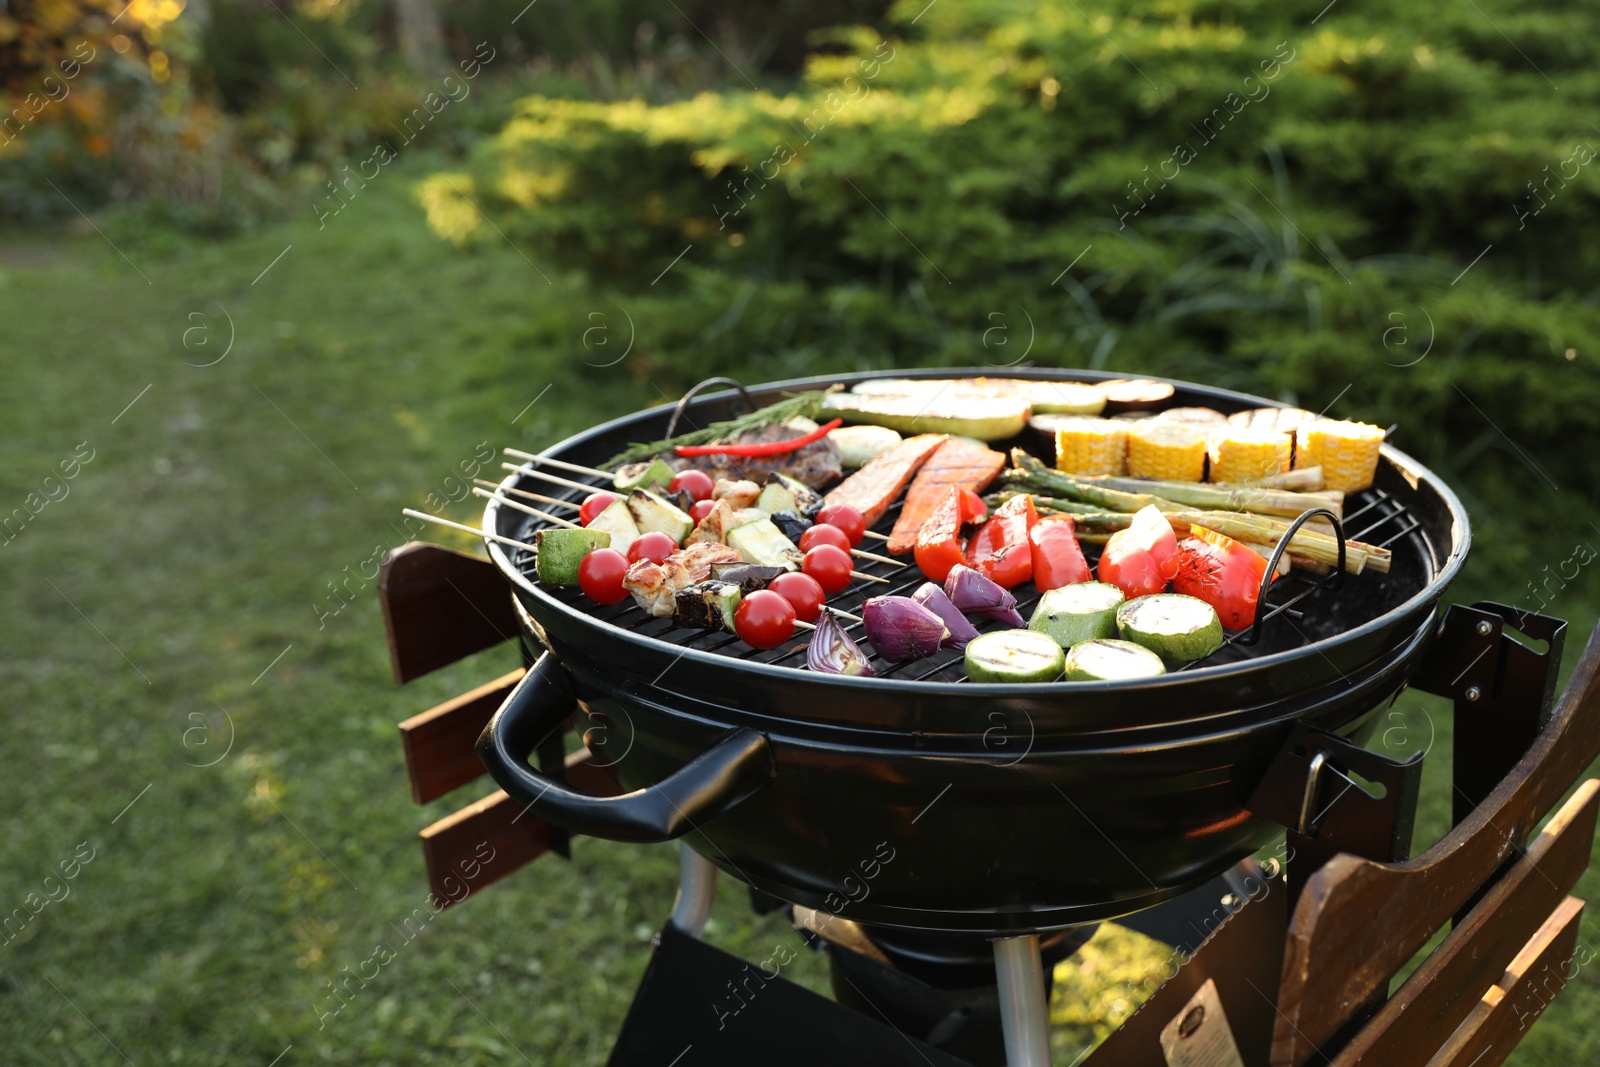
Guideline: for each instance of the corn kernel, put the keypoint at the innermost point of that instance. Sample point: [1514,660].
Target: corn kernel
[1172,451]
[1092,446]
[1347,452]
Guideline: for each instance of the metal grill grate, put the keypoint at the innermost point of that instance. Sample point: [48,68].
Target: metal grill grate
[1290,619]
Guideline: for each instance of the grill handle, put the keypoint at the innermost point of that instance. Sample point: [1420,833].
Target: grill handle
[705,787]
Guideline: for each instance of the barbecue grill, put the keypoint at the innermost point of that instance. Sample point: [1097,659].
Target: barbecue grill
[791,780]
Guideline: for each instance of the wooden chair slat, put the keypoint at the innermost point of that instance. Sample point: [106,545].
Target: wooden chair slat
[440,606]
[487,840]
[1540,971]
[1426,1010]
[438,743]
[1337,957]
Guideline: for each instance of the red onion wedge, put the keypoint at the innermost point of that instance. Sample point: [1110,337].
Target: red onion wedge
[901,629]
[974,594]
[832,651]
[933,598]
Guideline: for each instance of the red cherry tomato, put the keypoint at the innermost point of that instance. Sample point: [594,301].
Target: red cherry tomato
[764,619]
[593,505]
[654,545]
[845,518]
[803,592]
[701,509]
[830,565]
[696,483]
[823,534]
[600,575]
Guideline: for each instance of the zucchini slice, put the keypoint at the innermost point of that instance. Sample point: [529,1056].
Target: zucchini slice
[1014,656]
[655,474]
[1075,613]
[654,513]
[763,543]
[1111,661]
[776,497]
[617,521]
[1174,626]
[708,605]
[561,550]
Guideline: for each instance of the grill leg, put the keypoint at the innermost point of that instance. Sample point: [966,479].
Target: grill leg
[1023,1016]
[697,888]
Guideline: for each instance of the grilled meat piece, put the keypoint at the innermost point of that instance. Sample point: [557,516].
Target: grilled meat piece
[738,493]
[956,464]
[655,585]
[817,464]
[874,487]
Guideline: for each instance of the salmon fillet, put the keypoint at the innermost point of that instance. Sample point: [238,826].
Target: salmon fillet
[874,487]
[956,465]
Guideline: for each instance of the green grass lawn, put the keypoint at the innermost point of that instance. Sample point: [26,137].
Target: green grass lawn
[170,645]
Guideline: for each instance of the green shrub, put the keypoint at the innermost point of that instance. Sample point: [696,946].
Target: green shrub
[1243,197]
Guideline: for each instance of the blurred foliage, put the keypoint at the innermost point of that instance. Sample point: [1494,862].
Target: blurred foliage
[1243,198]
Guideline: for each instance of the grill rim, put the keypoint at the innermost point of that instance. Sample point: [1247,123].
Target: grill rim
[1414,473]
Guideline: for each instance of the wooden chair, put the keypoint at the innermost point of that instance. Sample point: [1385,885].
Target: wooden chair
[440,606]
[1302,974]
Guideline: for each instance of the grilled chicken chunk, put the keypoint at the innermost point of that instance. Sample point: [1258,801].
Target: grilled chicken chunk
[655,585]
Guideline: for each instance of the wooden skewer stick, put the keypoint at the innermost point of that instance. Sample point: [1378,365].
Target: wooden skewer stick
[846,615]
[535,512]
[877,536]
[804,625]
[873,556]
[869,577]
[466,529]
[569,483]
[523,492]
[561,463]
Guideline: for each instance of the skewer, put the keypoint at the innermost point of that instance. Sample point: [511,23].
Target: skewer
[877,536]
[846,615]
[869,577]
[562,464]
[466,529]
[525,469]
[523,492]
[535,512]
[805,625]
[880,559]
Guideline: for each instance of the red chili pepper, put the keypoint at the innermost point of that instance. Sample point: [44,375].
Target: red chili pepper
[1057,558]
[1222,572]
[939,541]
[761,448]
[1000,550]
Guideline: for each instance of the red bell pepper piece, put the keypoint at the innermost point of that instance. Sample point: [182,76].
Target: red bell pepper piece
[1222,572]
[973,509]
[1143,558]
[938,545]
[1000,550]
[1057,557]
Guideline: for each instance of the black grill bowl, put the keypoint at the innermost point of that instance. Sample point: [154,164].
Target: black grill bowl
[929,804]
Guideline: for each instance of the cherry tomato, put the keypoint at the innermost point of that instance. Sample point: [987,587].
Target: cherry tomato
[696,483]
[830,565]
[600,575]
[593,505]
[654,545]
[823,534]
[701,509]
[803,593]
[764,619]
[845,518]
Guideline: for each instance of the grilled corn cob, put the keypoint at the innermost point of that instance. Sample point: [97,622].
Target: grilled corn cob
[1346,451]
[1092,446]
[1241,455]
[1173,451]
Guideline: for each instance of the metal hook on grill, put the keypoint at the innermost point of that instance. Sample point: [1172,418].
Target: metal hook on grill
[1254,633]
[677,412]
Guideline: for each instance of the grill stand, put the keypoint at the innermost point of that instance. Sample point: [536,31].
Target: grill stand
[697,888]
[1024,1018]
